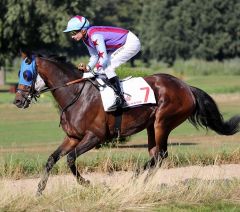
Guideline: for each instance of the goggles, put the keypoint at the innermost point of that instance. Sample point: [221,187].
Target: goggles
[74,32]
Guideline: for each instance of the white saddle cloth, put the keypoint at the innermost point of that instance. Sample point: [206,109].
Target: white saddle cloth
[136,92]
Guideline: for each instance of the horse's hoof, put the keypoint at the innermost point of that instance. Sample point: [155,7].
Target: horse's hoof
[83,182]
[87,182]
[39,193]
[137,173]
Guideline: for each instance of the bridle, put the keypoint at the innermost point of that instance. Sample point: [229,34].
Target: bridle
[31,93]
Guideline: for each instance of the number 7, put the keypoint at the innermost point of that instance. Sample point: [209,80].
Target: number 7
[146,94]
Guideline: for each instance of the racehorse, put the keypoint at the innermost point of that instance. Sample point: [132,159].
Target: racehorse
[87,125]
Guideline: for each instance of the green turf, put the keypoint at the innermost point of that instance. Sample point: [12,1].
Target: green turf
[37,125]
[216,84]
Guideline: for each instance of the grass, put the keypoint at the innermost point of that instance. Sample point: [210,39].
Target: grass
[126,195]
[37,125]
[27,137]
[25,164]
[196,67]
[216,84]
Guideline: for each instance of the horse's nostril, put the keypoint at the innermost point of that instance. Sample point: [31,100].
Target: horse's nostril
[17,102]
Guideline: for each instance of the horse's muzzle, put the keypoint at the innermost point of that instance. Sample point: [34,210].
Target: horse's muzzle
[21,101]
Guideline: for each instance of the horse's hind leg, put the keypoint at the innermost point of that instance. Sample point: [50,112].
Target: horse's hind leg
[157,145]
[88,142]
[151,146]
[63,149]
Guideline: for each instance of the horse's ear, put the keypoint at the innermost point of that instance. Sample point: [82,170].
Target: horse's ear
[28,60]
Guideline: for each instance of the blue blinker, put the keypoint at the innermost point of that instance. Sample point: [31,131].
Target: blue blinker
[28,75]
[27,72]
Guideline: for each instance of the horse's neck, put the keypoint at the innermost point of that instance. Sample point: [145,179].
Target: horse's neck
[63,94]
[79,93]
[56,78]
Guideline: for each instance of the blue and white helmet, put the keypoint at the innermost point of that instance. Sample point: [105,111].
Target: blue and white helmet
[77,23]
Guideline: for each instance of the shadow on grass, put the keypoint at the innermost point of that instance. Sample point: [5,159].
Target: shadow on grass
[145,145]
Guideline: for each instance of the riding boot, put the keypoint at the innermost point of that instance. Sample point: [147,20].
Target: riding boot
[120,101]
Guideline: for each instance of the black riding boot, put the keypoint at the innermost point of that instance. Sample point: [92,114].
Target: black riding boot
[120,101]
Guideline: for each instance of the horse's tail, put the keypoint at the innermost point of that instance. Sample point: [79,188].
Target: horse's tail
[207,115]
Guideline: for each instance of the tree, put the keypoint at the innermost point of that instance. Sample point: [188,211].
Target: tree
[188,28]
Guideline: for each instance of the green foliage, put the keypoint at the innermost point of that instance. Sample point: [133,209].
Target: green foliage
[40,24]
[195,67]
[168,29]
[187,28]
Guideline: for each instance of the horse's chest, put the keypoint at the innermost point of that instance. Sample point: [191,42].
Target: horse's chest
[73,127]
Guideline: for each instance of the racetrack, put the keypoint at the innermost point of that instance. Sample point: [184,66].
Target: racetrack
[161,176]
[208,186]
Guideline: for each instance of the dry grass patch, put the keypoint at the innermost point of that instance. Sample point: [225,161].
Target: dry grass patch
[121,191]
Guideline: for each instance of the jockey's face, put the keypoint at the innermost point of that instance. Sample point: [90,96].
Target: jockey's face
[79,35]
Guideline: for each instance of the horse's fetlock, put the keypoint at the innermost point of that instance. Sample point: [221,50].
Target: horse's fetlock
[163,154]
[70,161]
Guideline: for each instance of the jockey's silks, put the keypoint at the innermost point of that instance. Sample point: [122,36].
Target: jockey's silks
[114,37]
[101,40]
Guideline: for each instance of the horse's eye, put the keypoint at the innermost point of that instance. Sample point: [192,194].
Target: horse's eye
[18,73]
[28,76]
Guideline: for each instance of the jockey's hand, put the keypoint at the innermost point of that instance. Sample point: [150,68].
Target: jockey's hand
[82,67]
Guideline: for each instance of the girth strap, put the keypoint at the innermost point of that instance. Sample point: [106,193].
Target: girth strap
[118,122]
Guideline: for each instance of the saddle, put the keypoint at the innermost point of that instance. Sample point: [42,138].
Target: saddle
[136,91]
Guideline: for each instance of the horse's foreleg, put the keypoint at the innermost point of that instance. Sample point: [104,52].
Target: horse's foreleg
[67,145]
[88,142]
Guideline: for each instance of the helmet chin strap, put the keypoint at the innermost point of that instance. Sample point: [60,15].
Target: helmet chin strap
[83,24]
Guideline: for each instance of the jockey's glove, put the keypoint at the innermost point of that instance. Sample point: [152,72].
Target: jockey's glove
[82,67]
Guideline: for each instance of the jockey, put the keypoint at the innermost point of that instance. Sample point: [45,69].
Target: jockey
[109,47]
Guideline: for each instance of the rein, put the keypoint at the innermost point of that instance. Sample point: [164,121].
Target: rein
[61,86]
[72,102]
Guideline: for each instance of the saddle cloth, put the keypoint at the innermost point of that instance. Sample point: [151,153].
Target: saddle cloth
[136,92]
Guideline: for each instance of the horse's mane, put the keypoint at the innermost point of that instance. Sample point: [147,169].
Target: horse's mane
[61,61]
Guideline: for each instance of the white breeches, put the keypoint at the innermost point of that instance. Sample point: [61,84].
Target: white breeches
[122,55]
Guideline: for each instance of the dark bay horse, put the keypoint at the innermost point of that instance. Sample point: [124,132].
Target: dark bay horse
[86,124]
